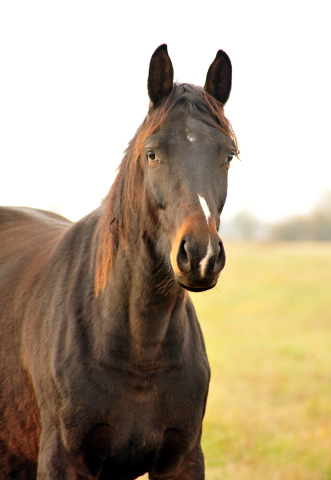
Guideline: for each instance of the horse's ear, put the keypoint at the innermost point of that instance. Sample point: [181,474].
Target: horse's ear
[218,81]
[161,75]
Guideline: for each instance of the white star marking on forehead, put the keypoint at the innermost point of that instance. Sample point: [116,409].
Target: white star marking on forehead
[191,137]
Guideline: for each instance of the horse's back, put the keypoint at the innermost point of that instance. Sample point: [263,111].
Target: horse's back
[26,238]
[16,218]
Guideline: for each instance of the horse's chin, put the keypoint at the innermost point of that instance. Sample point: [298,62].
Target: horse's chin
[196,288]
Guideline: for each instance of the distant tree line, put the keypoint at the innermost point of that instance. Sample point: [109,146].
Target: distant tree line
[313,226]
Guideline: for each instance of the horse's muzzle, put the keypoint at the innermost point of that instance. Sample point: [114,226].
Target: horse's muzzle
[198,261]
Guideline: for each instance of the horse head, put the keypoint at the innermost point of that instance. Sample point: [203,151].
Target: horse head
[187,158]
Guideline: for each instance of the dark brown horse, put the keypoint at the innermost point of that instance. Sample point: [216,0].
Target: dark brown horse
[103,372]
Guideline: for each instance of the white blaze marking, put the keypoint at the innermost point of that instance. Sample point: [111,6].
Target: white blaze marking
[204,261]
[205,208]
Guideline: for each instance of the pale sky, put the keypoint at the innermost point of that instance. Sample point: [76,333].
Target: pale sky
[73,78]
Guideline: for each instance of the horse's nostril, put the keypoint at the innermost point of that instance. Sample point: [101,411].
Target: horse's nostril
[183,260]
[220,261]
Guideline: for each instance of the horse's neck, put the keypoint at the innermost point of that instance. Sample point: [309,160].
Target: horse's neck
[144,303]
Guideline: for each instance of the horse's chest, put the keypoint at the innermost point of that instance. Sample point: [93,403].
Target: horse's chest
[143,409]
[127,415]
[150,397]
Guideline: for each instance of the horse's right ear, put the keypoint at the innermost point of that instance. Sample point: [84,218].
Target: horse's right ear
[161,75]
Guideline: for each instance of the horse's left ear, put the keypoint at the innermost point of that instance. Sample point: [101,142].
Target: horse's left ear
[161,75]
[219,76]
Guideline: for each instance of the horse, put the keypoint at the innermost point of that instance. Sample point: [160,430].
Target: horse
[104,372]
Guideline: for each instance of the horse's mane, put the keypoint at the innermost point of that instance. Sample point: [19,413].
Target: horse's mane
[124,197]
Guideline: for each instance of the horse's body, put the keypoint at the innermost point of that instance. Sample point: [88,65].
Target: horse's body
[103,371]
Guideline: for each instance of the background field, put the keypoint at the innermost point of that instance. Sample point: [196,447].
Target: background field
[268,333]
[267,328]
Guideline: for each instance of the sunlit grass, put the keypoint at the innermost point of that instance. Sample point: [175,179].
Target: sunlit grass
[267,328]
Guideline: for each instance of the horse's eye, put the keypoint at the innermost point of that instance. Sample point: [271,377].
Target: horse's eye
[229,159]
[152,157]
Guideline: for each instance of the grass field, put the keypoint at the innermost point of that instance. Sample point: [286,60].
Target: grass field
[267,327]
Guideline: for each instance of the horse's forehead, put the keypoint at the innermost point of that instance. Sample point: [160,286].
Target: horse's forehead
[187,127]
[198,130]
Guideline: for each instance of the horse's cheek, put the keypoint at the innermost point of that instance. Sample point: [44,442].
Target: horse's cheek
[155,192]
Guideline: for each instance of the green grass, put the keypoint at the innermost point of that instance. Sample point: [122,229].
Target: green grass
[267,327]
